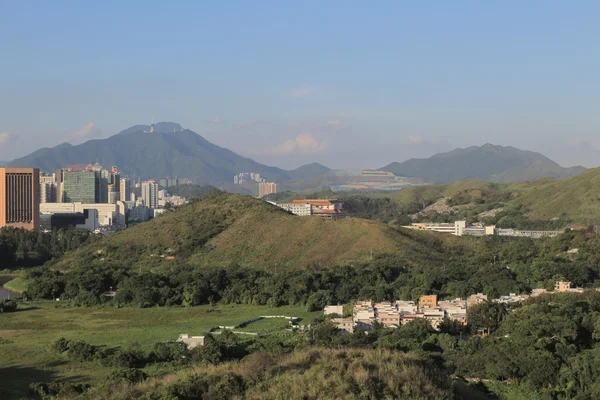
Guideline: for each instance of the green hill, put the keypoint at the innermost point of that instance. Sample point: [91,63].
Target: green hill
[224,229]
[548,201]
[487,163]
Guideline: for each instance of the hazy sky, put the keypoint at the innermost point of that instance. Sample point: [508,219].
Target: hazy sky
[348,83]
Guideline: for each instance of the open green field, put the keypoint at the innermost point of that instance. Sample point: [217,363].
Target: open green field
[17,285]
[26,336]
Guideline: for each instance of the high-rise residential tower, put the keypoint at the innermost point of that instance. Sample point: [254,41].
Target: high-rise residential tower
[150,194]
[20,197]
[265,188]
[125,190]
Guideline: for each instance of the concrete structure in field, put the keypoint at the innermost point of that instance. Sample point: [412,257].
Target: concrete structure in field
[20,198]
[265,188]
[334,310]
[150,194]
[191,341]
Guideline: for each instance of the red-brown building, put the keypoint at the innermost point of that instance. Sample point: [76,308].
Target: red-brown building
[20,197]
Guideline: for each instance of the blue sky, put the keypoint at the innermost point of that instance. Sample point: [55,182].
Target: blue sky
[342,83]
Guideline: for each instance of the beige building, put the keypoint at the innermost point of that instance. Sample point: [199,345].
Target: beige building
[476,299]
[265,188]
[191,341]
[20,198]
[344,324]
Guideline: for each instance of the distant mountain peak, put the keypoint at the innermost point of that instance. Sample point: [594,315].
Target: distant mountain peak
[487,162]
[169,150]
[158,127]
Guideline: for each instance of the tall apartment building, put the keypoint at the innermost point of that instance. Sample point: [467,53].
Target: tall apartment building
[150,194]
[113,194]
[48,189]
[125,190]
[20,197]
[265,188]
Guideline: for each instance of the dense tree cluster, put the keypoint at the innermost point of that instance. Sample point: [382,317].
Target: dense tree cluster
[494,266]
[20,247]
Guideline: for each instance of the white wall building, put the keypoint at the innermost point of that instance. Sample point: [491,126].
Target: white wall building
[108,214]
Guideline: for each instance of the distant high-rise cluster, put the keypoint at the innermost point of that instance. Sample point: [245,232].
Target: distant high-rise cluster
[245,177]
[81,197]
[265,188]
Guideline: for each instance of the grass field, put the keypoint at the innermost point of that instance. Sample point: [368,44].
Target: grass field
[26,336]
[16,285]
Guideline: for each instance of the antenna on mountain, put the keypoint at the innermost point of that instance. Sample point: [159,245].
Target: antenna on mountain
[152,125]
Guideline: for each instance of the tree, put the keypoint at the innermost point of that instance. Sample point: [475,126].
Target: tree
[487,316]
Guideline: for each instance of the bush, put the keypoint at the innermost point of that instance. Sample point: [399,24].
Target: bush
[130,375]
[169,351]
[8,306]
[61,345]
[81,351]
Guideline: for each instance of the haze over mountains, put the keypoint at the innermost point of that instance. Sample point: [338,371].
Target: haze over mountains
[488,162]
[168,151]
[172,151]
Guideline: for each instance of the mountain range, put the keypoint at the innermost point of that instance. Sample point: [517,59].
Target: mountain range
[488,163]
[166,149]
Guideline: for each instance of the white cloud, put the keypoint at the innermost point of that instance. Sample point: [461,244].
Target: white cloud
[305,91]
[336,123]
[5,137]
[88,131]
[416,140]
[587,142]
[304,143]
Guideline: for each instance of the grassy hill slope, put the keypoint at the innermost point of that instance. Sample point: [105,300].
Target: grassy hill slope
[315,373]
[574,200]
[223,229]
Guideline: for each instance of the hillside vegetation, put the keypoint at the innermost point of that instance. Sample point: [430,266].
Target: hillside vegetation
[544,203]
[224,229]
[316,373]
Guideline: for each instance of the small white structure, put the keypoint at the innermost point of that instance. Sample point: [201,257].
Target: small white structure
[191,341]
